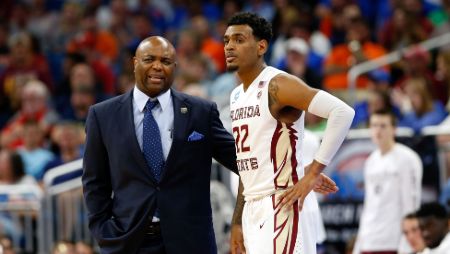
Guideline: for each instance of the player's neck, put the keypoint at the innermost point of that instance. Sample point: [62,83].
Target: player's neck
[249,75]
[386,147]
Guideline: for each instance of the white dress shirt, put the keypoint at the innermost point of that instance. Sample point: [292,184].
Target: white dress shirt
[163,114]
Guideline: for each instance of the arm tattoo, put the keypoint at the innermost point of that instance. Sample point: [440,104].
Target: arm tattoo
[240,202]
[273,92]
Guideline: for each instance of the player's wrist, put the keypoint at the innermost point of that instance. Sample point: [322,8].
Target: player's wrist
[315,168]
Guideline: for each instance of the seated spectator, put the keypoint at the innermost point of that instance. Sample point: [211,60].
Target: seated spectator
[94,41]
[68,138]
[358,49]
[83,248]
[12,169]
[442,75]
[12,174]
[411,230]
[24,65]
[404,28]
[433,221]
[34,156]
[85,92]
[6,245]
[34,106]
[424,111]
[415,64]
[81,99]
[296,62]
[64,247]
[378,98]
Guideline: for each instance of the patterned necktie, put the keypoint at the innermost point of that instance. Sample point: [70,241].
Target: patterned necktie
[151,141]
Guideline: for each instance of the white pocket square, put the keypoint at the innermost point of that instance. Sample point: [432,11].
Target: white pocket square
[195,136]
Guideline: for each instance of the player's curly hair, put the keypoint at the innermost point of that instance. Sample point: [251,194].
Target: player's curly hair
[262,29]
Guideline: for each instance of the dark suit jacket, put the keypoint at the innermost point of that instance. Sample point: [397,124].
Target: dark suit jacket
[121,193]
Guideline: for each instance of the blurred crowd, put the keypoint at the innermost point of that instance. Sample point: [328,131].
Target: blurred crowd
[58,57]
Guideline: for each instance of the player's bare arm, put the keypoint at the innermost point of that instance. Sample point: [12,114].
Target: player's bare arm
[236,238]
[288,98]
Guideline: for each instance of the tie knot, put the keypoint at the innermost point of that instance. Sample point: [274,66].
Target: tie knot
[151,104]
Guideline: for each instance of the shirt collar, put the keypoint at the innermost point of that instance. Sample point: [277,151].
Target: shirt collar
[141,99]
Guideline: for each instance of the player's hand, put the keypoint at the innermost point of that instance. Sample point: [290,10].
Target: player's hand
[325,185]
[237,240]
[319,182]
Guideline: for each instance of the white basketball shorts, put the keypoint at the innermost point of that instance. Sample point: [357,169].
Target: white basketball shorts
[269,230]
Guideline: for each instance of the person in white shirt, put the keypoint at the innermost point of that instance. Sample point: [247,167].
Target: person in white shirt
[411,231]
[433,222]
[392,177]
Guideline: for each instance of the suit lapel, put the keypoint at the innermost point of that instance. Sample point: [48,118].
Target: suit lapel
[181,114]
[126,112]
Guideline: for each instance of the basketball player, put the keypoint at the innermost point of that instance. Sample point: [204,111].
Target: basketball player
[267,114]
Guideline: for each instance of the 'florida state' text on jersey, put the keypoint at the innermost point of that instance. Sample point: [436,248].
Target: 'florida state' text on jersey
[267,149]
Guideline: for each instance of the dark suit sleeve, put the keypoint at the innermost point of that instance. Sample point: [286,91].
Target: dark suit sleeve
[224,150]
[96,177]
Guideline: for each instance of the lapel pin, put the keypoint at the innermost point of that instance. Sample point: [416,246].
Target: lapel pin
[183,110]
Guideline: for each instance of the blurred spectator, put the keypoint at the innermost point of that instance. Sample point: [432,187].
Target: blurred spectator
[193,65]
[66,28]
[85,91]
[444,27]
[64,247]
[415,64]
[93,41]
[33,155]
[318,44]
[219,92]
[358,49]
[425,111]
[83,248]
[376,100]
[263,8]
[12,169]
[41,22]
[392,181]
[296,62]
[209,45]
[331,22]
[406,27]
[444,199]
[6,245]
[230,8]
[34,106]
[411,231]
[24,65]
[442,75]
[69,140]
[141,29]
[222,204]
[18,16]
[433,221]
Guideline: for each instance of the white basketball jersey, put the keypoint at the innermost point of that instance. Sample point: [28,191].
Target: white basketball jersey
[267,150]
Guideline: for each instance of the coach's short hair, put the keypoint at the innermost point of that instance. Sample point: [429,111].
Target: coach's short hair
[262,29]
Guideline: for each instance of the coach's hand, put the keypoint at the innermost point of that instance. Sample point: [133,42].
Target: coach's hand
[237,240]
[313,180]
